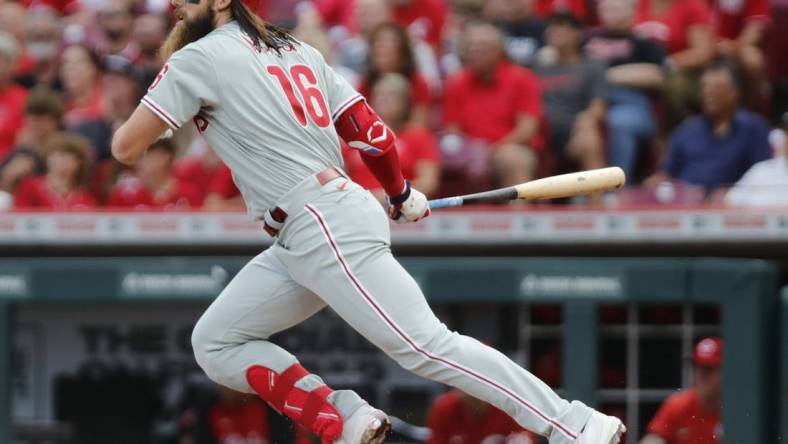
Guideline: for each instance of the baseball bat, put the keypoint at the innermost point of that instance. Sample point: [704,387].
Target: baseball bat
[553,187]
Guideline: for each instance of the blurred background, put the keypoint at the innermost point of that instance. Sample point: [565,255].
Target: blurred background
[661,304]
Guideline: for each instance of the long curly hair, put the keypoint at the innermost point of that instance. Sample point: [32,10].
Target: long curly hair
[407,61]
[261,33]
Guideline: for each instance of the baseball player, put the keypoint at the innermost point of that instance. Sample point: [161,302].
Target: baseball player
[274,111]
[693,415]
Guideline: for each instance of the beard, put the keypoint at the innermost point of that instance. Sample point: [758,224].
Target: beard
[187,31]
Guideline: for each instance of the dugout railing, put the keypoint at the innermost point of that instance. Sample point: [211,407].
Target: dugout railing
[744,290]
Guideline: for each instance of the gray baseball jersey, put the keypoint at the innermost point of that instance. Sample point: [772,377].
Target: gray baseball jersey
[268,116]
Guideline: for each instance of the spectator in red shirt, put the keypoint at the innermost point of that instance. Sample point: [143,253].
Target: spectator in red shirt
[458,418]
[43,112]
[740,22]
[205,171]
[353,52]
[740,27]
[683,27]
[497,102]
[391,52]
[154,186]
[80,72]
[416,146]
[199,166]
[12,96]
[222,194]
[63,187]
[693,415]
[424,19]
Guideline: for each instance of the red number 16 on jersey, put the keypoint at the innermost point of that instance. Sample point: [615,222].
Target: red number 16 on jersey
[306,82]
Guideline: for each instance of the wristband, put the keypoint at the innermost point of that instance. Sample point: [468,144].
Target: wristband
[399,200]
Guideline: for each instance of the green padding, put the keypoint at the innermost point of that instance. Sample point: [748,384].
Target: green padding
[581,351]
[746,290]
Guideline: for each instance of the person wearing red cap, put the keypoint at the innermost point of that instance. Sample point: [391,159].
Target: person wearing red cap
[693,415]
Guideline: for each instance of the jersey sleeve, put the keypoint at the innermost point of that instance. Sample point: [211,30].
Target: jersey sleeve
[186,84]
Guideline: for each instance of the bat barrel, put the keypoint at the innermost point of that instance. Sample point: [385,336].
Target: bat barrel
[573,184]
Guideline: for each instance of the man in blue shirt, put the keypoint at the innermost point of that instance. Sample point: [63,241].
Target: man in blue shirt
[716,148]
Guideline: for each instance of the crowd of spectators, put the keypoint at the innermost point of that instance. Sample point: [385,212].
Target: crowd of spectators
[481,93]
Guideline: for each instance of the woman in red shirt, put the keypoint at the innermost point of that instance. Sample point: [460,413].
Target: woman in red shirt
[80,74]
[63,187]
[390,51]
[416,146]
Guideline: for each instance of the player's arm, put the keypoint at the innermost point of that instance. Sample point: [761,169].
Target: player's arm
[364,130]
[361,128]
[186,84]
[136,135]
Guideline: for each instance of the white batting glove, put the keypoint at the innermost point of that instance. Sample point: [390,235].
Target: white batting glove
[410,206]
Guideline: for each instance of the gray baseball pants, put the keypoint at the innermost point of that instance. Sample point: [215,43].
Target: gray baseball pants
[334,249]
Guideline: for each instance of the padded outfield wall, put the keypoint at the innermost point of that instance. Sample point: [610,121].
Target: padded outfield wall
[68,297]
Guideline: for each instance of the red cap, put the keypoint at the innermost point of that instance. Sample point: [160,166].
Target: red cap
[708,352]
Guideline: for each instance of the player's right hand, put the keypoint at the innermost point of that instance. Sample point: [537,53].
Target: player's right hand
[410,206]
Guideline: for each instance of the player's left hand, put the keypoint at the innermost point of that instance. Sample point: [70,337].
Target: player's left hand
[410,206]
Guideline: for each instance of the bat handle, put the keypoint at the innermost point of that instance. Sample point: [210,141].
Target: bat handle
[446,202]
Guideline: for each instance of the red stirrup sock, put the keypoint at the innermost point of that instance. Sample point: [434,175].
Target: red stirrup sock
[309,409]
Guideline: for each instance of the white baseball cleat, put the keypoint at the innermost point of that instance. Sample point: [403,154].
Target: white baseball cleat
[601,429]
[366,425]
